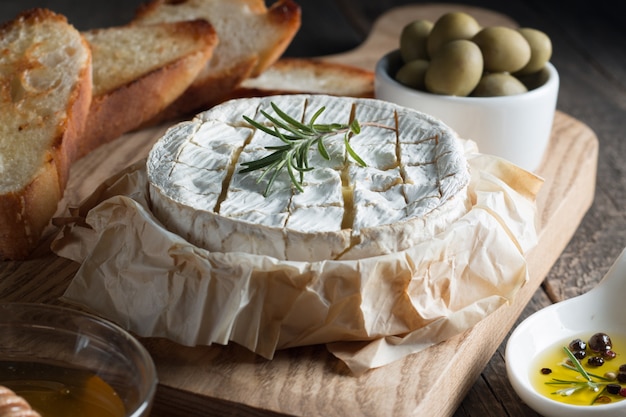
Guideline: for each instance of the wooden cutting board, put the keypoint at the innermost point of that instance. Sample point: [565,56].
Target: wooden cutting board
[229,380]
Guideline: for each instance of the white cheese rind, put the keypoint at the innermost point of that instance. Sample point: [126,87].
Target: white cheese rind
[413,187]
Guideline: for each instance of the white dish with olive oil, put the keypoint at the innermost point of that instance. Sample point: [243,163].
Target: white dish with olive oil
[601,309]
[413,184]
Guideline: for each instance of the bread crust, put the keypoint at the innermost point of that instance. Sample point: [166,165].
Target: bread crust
[134,104]
[25,213]
[312,76]
[285,14]
[205,93]
[214,85]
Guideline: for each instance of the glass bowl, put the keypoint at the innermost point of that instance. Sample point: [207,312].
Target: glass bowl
[61,360]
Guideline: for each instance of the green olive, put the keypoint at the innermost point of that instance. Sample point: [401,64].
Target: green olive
[451,26]
[498,84]
[413,40]
[413,73]
[455,69]
[540,50]
[504,49]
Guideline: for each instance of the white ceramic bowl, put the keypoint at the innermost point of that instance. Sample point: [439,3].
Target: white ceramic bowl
[516,128]
[601,309]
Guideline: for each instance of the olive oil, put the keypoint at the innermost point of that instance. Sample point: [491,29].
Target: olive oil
[548,367]
[57,391]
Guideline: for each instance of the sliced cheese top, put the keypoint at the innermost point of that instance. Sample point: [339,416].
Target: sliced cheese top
[412,187]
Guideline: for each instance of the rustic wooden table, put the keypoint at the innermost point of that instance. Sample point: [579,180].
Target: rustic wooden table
[588,43]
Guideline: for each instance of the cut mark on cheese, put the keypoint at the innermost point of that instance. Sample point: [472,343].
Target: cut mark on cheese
[305,106]
[399,158]
[346,187]
[231,171]
[232,165]
[180,150]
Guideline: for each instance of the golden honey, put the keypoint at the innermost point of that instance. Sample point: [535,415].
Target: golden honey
[553,359]
[57,391]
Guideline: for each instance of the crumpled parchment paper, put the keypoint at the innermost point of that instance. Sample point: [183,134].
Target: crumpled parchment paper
[369,312]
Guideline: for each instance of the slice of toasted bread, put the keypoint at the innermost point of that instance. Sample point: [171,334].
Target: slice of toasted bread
[308,75]
[45,93]
[252,37]
[138,70]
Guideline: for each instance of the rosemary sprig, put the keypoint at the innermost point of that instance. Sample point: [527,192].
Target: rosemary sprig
[298,139]
[577,364]
[573,386]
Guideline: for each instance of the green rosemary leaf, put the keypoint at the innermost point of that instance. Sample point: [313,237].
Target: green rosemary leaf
[301,156]
[263,162]
[276,171]
[577,364]
[295,181]
[315,116]
[284,138]
[332,127]
[298,139]
[259,126]
[352,153]
[264,174]
[277,123]
[281,148]
[322,150]
[355,127]
[555,381]
[601,377]
[290,120]
[583,384]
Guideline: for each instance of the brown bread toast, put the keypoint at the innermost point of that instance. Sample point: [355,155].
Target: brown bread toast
[140,70]
[308,75]
[251,38]
[45,93]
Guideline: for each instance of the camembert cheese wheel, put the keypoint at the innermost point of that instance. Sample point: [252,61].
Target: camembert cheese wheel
[412,186]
